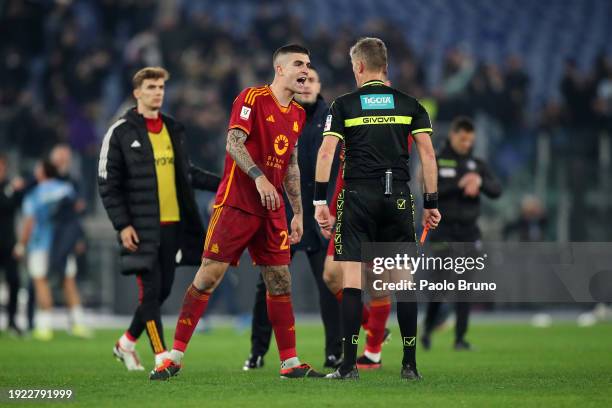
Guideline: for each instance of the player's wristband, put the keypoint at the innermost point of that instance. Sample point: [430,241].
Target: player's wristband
[319,202]
[430,201]
[255,172]
[320,191]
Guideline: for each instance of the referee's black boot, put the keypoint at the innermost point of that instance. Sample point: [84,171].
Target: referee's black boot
[333,361]
[254,361]
[352,374]
[410,373]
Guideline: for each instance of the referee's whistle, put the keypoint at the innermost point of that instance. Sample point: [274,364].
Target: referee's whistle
[388,182]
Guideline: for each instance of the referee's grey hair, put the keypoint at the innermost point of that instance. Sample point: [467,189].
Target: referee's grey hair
[372,51]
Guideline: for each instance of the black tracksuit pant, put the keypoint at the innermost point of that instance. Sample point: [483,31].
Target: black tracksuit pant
[154,288]
[9,265]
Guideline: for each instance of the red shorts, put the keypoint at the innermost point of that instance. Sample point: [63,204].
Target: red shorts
[231,230]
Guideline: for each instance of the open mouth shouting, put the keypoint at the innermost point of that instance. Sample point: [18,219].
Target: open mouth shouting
[301,81]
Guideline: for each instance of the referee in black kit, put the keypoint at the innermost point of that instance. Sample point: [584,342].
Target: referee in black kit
[374,122]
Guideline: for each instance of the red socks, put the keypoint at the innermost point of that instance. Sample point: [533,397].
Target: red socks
[194,305]
[365,317]
[280,314]
[130,337]
[339,296]
[379,313]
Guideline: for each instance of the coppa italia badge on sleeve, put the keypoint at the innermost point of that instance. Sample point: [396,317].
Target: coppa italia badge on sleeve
[245,113]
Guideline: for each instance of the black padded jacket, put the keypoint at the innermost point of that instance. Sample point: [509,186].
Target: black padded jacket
[128,186]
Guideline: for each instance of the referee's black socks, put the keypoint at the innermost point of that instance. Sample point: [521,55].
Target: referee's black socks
[352,306]
[407,319]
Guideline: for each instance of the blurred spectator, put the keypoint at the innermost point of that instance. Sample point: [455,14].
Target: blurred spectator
[603,92]
[10,200]
[69,246]
[578,91]
[458,71]
[517,84]
[411,76]
[531,224]
[68,64]
[81,136]
[39,208]
[459,68]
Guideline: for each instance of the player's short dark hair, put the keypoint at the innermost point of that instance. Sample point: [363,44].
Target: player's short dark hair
[49,169]
[149,73]
[3,158]
[289,49]
[372,51]
[462,123]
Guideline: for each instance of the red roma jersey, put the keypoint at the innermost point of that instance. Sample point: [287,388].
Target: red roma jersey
[272,132]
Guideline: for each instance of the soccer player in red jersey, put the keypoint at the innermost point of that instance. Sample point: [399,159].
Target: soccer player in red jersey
[249,212]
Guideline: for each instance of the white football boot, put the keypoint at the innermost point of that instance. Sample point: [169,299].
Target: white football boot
[129,358]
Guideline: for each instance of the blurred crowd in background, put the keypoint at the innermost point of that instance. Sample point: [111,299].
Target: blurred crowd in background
[66,66]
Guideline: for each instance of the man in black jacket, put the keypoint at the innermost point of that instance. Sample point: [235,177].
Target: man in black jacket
[461,180]
[11,194]
[145,180]
[312,243]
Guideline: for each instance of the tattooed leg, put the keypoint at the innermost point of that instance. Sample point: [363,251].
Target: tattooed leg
[277,279]
[209,275]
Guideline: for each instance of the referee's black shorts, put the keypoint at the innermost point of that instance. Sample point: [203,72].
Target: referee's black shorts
[365,214]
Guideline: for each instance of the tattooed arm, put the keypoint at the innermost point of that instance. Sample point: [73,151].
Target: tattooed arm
[237,150]
[294,194]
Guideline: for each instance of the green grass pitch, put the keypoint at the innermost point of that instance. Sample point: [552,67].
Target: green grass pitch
[515,365]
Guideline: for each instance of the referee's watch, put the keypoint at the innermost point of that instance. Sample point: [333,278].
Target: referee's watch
[430,201]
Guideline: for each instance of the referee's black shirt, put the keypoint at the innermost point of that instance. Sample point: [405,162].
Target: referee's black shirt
[375,123]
